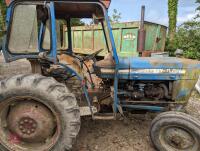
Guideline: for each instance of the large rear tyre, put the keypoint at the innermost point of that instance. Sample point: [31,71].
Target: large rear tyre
[37,114]
[175,131]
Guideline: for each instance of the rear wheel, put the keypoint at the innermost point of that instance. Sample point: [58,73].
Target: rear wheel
[37,114]
[175,131]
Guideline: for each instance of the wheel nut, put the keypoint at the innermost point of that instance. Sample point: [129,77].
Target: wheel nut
[23,131]
[20,127]
[34,125]
[22,122]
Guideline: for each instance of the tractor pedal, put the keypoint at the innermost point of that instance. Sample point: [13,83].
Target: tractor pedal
[85,110]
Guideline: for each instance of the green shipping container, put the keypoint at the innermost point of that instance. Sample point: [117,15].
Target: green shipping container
[88,39]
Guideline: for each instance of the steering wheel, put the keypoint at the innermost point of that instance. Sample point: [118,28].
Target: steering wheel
[92,56]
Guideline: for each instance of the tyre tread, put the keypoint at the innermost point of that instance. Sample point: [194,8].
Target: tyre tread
[61,96]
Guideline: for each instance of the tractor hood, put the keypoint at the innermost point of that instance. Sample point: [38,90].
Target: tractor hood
[166,68]
[157,63]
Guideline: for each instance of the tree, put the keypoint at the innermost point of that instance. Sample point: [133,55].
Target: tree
[172,13]
[198,9]
[188,37]
[2,17]
[73,22]
[198,1]
[77,22]
[116,16]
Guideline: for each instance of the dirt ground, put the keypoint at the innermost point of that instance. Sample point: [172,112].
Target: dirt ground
[131,135]
[115,135]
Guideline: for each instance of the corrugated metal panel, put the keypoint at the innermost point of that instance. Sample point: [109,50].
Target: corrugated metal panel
[129,42]
[87,39]
[155,37]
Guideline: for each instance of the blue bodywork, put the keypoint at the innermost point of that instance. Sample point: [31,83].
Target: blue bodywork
[132,68]
[167,68]
[183,73]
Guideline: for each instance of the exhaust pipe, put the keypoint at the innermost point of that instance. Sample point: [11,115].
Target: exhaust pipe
[142,33]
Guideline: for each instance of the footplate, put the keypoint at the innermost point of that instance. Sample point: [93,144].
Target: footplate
[85,110]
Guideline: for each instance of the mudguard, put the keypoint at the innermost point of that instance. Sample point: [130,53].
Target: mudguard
[197,86]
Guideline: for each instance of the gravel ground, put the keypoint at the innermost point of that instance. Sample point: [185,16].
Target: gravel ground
[131,135]
[115,135]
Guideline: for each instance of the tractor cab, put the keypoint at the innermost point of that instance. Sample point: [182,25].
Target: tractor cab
[34,28]
[34,32]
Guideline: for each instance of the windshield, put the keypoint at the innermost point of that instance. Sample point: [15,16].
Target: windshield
[88,32]
[27,21]
[30,29]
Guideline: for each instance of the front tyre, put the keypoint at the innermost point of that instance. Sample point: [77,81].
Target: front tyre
[175,131]
[37,114]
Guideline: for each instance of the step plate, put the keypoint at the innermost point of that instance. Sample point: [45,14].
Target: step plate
[85,110]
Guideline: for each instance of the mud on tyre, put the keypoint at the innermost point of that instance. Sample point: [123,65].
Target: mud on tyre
[36,114]
[175,131]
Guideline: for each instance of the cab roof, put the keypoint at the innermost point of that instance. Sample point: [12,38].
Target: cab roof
[105,2]
[77,10]
[74,8]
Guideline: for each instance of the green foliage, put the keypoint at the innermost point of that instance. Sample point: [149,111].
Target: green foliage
[77,22]
[116,16]
[198,1]
[187,38]
[2,17]
[172,13]
[198,9]
[171,46]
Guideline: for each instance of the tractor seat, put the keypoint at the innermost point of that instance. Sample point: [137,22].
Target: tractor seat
[107,62]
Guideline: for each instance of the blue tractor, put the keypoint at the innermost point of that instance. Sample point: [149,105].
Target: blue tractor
[41,111]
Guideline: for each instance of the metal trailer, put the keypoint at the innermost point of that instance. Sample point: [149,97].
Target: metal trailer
[88,39]
[128,38]
[40,112]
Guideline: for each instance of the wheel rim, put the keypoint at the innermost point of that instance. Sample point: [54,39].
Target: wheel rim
[178,138]
[28,123]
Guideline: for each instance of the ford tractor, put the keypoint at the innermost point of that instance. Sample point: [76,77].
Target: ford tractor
[41,111]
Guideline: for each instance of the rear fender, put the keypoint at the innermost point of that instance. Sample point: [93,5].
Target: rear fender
[197,86]
[193,104]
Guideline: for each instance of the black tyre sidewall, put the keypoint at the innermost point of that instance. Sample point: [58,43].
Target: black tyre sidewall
[51,100]
[167,121]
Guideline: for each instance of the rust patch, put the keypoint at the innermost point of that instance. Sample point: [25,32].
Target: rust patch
[75,64]
[14,139]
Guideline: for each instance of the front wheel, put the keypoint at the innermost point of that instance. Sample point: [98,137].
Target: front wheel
[175,131]
[37,114]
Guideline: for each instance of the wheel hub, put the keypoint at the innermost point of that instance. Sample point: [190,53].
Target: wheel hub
[31,122]
[179,138]
[27,126]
